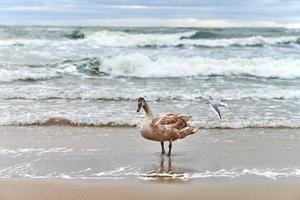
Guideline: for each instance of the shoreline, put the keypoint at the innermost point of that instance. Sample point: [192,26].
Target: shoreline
[73,125]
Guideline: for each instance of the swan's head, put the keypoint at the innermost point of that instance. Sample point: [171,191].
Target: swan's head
[141,103]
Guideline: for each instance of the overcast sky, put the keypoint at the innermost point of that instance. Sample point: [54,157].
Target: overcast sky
[284,13]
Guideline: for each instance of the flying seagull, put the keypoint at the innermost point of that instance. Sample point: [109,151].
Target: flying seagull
[215,104]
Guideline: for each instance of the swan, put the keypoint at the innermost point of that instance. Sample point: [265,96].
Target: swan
[166,128]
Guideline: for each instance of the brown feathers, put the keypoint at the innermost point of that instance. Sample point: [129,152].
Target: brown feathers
[170,127]
[167,128]
[169,120]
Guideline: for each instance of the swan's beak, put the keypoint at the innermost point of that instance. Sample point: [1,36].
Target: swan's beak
[138,108]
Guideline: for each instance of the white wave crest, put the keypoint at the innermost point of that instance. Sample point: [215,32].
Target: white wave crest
[27,42]
[250,41]
[27,171]
[18,72]
[238,124]
[236,173]
[123,121]
[139,65]
[122,39]
[8,75]
[29,93]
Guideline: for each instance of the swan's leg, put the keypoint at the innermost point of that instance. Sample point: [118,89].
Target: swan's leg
[170,148]
[162,148]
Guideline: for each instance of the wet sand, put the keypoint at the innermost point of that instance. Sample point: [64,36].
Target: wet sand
[74,190]
[65,162]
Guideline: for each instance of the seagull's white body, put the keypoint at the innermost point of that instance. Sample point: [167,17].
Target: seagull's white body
[215,104]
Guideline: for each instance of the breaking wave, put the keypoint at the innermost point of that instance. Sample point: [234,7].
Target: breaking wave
[65,121]
[71,121]
[10,73]
[142,66]
[123,39]
[165,95]
[27,73]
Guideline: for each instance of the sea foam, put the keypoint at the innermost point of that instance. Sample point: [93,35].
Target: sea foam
[144,66]
[140,65]
[122,39]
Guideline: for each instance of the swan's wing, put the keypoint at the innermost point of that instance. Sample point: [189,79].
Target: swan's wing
[186,118]
[215,109]
[169,121]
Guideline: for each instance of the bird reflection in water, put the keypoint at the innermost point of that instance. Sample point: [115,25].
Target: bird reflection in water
[162,168]
[165,172]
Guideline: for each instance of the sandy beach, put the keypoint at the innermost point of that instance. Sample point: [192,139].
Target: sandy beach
[74,190]
[66,162]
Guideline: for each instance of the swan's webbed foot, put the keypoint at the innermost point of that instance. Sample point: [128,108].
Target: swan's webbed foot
[162,148]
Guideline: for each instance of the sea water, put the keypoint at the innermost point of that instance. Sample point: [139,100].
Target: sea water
[47,75]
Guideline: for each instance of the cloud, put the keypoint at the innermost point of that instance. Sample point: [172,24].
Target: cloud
[26,8]
[188,13]
[155,7]
[174,22]
[36,6]
[127,6]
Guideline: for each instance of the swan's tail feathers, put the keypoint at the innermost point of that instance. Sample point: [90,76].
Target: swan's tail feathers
[186,131]
[186,118]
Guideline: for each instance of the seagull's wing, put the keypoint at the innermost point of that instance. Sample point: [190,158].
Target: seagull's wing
[215,109]
[223,104]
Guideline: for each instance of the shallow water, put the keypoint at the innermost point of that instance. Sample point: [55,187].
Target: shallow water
[46,75]
[121,153]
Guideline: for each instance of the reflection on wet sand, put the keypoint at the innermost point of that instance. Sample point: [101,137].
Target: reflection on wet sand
[165,171]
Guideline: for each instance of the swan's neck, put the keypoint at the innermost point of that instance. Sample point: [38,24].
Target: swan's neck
[148,112]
